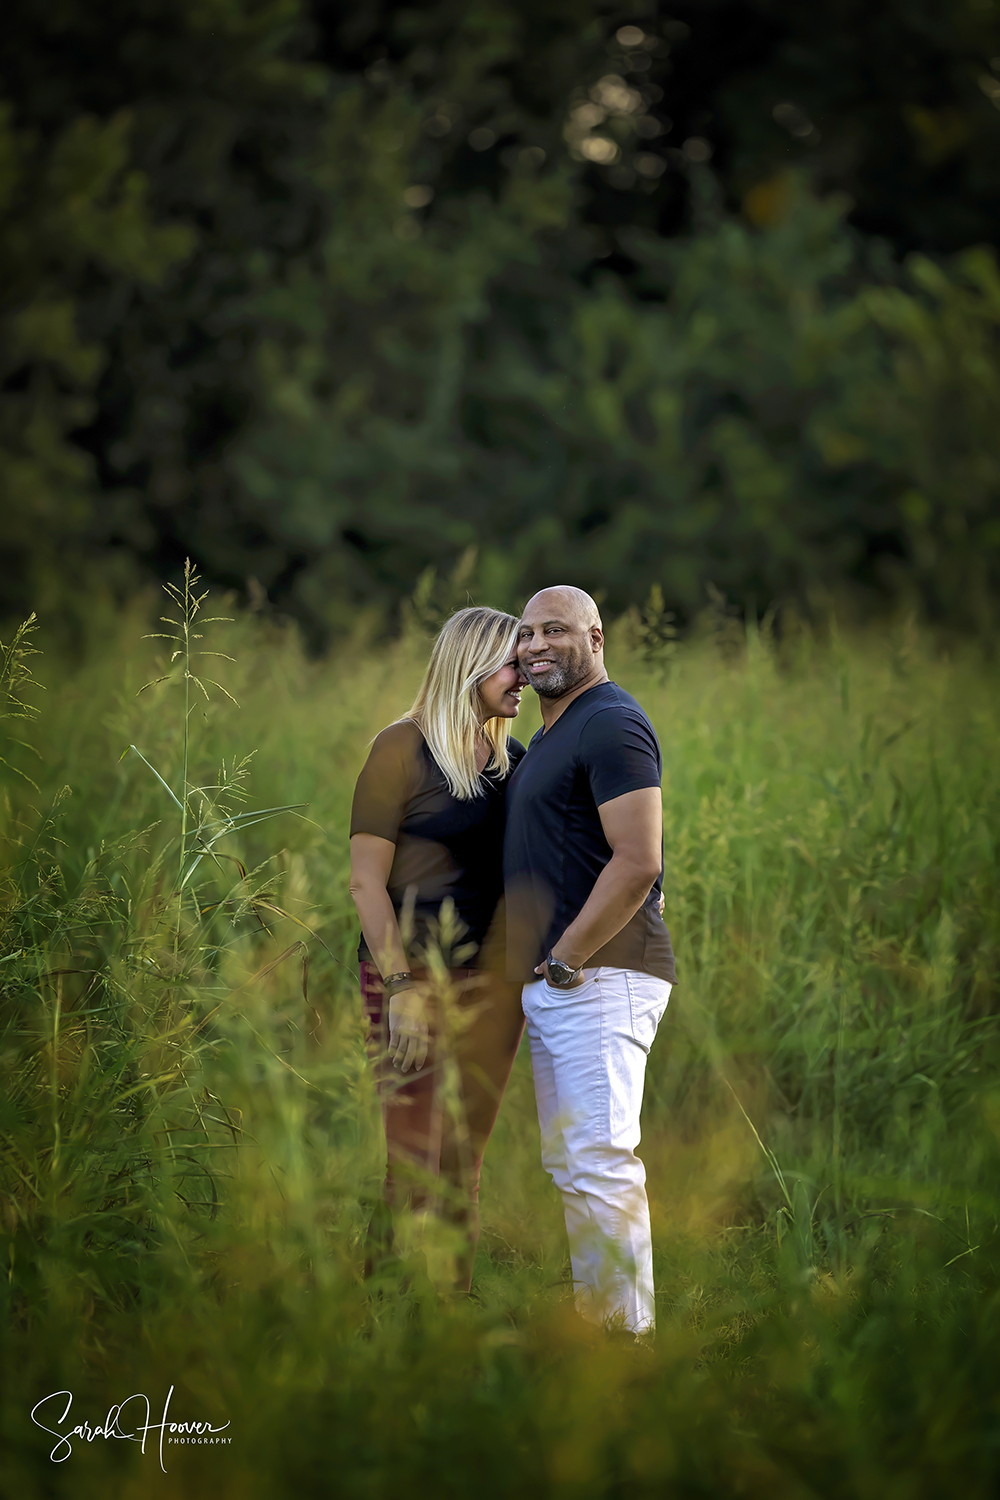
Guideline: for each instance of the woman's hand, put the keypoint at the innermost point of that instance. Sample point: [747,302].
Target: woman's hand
[409,1037]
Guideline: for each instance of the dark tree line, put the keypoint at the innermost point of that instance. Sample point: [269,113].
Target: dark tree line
[325,295]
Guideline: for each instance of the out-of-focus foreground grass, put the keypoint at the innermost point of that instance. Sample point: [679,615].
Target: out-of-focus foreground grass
[190,1140]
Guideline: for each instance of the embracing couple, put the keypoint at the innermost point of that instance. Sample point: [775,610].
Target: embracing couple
[537,874]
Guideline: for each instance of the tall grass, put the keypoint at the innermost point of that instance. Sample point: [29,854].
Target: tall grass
[191,1139]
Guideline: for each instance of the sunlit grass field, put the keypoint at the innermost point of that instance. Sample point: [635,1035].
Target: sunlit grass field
[190,1139]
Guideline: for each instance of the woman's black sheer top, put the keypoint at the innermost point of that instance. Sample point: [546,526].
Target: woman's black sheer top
[446,849]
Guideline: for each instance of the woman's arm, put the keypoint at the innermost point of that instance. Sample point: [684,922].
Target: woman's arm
[371,862]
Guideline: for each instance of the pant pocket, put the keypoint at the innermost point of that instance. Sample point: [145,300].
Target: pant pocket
[565,998]
[647,998]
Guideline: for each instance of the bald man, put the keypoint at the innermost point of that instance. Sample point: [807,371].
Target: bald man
[583,869]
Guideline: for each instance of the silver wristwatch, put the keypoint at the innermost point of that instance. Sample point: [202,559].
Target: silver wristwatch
[560,974]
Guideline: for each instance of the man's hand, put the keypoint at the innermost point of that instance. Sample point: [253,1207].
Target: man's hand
[409,1037]
[543,972]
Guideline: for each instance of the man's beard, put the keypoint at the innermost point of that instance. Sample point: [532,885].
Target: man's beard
[563,677]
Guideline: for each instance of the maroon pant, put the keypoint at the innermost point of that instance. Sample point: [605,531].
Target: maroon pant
[437,1121]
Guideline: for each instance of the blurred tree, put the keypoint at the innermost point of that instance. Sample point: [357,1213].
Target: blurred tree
[356,468]
[309,294]
[782,411]
[895,102]
[324,295]
[76,213]
[153,148]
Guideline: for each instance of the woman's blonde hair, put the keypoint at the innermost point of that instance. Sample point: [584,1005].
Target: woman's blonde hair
[472,645]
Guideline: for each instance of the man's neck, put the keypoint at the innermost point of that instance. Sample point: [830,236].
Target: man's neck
[552,708]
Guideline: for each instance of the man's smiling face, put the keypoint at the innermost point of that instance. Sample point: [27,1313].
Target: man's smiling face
[559,643]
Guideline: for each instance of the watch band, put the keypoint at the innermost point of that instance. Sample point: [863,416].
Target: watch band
[570,974]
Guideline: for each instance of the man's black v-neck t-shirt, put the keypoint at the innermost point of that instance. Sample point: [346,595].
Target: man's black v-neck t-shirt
[599,748]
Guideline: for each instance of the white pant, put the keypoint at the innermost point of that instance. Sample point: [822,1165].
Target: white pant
[588,1056]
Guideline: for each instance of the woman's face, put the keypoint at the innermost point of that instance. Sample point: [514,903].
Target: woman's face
[500,693]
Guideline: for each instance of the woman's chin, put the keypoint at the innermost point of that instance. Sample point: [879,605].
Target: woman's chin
[508,709]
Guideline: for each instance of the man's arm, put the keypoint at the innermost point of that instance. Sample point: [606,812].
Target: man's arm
[633,827]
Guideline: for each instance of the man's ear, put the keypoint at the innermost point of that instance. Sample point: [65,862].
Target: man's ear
[596,638]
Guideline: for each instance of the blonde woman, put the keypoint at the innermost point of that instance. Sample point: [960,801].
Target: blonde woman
[427,831]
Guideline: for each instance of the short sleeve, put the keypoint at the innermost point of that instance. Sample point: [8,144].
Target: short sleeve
[620,753]
[387,782]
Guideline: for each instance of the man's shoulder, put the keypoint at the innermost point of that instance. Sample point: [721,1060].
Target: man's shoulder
[610,704]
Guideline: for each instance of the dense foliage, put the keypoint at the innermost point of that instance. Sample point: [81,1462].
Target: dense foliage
[323,296]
